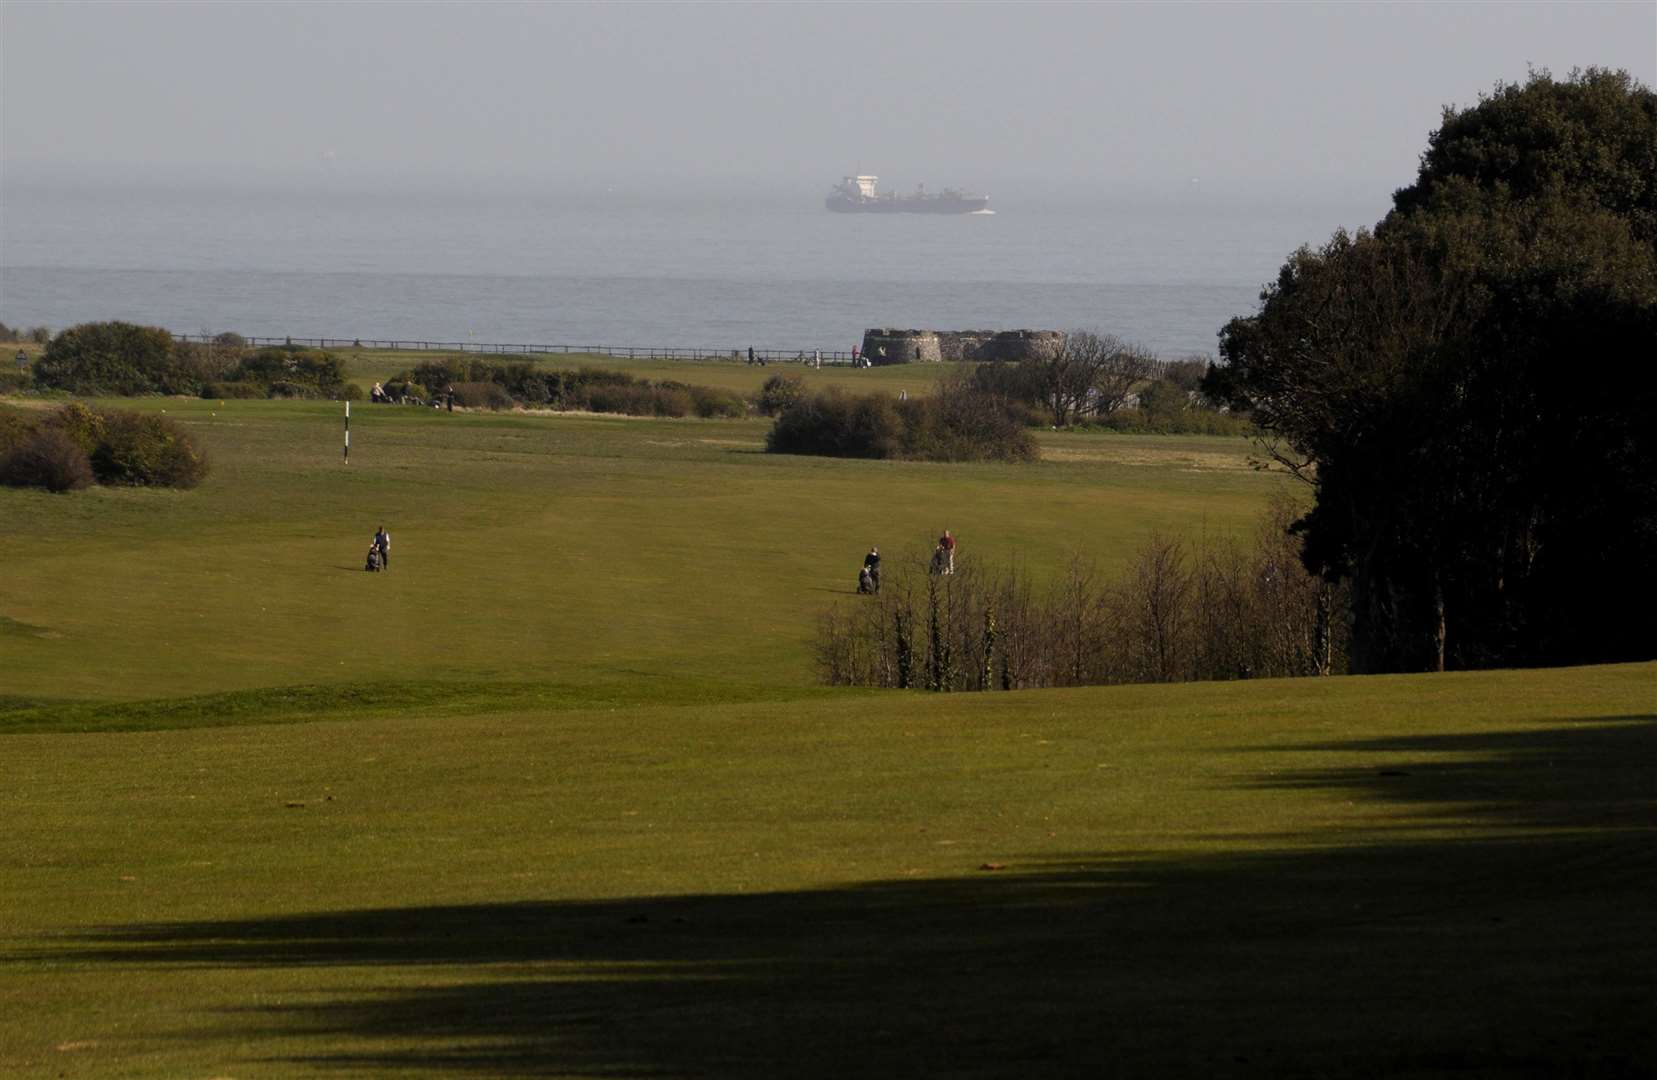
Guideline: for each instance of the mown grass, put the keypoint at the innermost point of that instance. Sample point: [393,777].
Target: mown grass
[1378,877]
[557,795]
[527,548]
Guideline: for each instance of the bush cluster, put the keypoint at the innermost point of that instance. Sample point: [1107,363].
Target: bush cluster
[124,359]
[77,445]
[584,389]
[959,423]
[1183,611]
[289,371]
[481,395]
[46,458]
[780,393]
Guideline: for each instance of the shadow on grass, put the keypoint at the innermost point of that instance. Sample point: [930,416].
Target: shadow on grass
[1509,932]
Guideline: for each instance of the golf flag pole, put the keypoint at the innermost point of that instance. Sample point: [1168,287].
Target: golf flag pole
[348,433]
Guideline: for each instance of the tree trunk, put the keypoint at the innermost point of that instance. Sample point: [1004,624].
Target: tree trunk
[1438,628]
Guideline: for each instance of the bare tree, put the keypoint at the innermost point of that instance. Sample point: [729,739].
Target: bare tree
[1089,373]
[1121,367]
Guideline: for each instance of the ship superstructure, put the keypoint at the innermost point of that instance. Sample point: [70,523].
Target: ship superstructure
[857,195]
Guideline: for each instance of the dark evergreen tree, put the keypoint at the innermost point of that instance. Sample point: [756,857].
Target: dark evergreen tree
[1471,392]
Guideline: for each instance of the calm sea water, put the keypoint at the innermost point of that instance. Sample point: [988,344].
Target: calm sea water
[628,272]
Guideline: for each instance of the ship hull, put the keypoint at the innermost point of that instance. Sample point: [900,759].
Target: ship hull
[910,204]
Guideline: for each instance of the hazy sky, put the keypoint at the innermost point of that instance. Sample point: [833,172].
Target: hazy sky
[1309,100]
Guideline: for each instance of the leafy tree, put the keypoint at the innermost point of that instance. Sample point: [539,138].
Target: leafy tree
[1469,389]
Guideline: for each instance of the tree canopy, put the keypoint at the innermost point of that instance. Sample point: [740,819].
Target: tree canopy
[1470,388]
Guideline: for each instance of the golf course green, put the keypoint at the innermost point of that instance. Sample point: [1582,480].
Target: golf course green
[560,794]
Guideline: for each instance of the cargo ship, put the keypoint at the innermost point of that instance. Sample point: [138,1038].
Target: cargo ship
[857,195]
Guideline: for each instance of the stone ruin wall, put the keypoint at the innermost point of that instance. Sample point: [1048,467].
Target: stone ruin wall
[977,346]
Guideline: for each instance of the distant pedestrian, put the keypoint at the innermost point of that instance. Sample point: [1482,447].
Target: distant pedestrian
[871,566]
[382,541]
[946,542]
[750,354]
[855,354]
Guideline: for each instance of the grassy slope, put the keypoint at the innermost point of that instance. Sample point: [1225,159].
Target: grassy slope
[563,800]
[1375,877]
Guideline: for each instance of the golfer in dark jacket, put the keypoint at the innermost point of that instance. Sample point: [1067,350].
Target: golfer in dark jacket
[871,563]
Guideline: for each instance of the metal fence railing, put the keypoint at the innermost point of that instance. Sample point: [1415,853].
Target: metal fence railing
[628,352]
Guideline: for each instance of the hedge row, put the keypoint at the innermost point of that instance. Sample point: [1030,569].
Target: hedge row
[124,359]
[480,383]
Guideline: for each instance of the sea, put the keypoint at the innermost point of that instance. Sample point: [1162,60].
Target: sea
[634,270]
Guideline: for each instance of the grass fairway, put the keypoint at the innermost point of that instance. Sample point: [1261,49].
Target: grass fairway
[557,795]
[529,548]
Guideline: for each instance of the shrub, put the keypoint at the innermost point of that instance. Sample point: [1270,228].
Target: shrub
[961,423]
[15,382]
[482,395]
[233,391]
[140,448]
[288,366]
[230,340]
[15,425]
[81,423]
[639,399]
[291,391]
[349,392]
[400,388]
[194,365]
[46,458]
[712,403]
[779,393]
[838,424]
[108,358]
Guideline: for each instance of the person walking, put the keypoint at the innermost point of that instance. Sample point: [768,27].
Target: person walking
[871,563]
[947,543]
[382,540]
